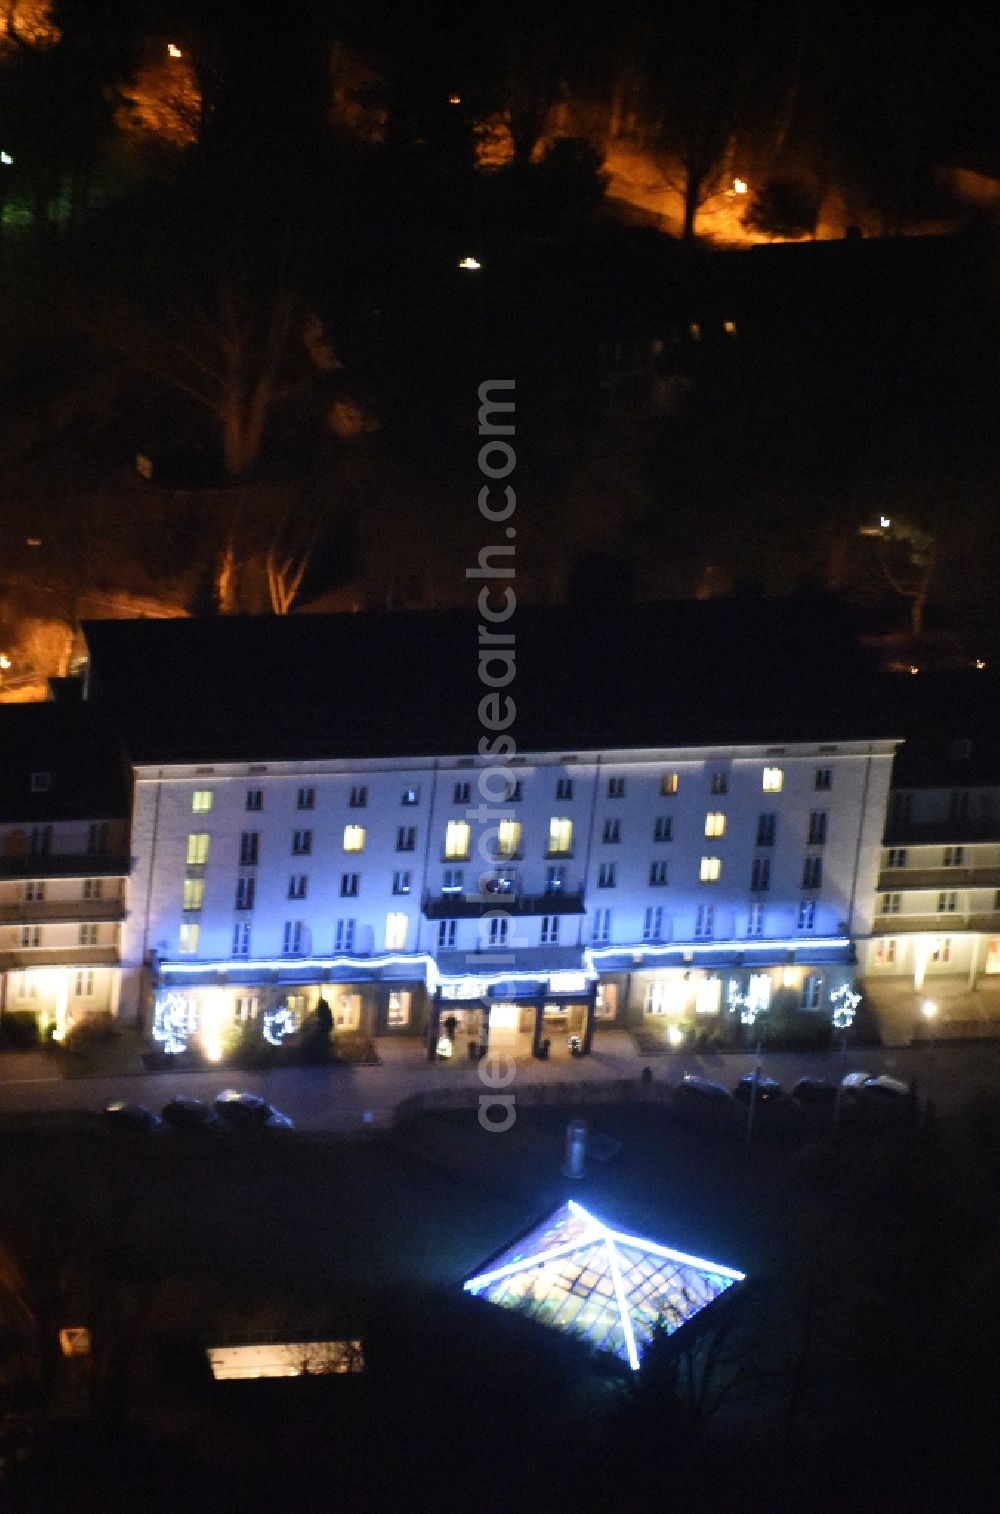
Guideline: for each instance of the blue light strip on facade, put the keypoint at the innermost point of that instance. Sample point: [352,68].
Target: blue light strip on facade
[435,978]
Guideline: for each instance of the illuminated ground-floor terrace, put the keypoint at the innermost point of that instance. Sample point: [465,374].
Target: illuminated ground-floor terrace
[58,997]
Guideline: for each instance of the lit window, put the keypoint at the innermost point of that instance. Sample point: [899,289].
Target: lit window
[457,840]
[197,848]
[708,996]
[773,780]
[759,990]
[189,936]
[710,870]
[354,838]
[560,837]
[194,893]
[395,931]
[508,838]
[201,801]
[670,783]
[410,796]
[398,1012]
[715,823]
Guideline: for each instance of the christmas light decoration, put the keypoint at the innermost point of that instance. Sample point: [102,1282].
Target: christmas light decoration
[172,1023]
[845,1006]
[277,1024]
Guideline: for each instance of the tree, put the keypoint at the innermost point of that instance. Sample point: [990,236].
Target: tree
[907,556]
[783,208]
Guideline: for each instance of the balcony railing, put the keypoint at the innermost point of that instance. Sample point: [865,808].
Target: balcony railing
[469,906]
[938,924]
[67,865]
[897,879]
[59,956]
[46,912]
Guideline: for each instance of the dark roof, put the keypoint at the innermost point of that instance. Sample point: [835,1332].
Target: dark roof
[258,688]
[77,747]
[951,721]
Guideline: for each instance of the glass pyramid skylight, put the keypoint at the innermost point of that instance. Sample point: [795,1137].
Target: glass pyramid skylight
[583,1277]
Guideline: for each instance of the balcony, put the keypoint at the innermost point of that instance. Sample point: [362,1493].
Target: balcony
[936,924]
[44,912]
[72,865]
[941,832]
[59,956]
[897,879]
[471,906]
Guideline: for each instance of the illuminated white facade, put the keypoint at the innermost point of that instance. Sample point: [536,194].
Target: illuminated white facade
[936,933]
[657,888]
[62,904]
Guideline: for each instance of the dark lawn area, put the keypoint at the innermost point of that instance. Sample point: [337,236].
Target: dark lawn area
[857,1295]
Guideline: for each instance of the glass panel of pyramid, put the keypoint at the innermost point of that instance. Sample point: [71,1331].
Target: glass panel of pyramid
[576,1273]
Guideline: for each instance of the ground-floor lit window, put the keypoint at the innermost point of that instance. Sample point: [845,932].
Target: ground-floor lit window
[708,997]
[399,1007]
[606,1007]
[347,1011]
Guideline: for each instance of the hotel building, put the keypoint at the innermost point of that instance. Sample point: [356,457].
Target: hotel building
[690,822]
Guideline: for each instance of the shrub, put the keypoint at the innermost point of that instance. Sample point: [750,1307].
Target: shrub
[18,1032]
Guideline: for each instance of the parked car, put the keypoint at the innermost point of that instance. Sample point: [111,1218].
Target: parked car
[886,1090]
[248,1111]
[769,1090]
[694,1090]
[814,1091]
[135,1118]
[853,1082]
[183,1114]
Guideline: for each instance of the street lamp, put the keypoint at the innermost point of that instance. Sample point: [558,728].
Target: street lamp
[845,1003]
[929,1011]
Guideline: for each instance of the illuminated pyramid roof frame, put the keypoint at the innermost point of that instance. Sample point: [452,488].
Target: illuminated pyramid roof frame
[577,1274]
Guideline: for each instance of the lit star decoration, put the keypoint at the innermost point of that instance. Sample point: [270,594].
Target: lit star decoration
[845,1006]
[172,1023]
